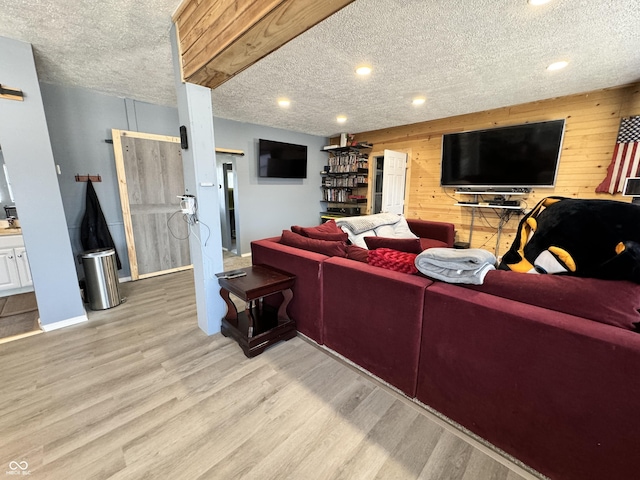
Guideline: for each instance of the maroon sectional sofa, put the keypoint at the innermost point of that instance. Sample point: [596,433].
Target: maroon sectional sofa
[543,367]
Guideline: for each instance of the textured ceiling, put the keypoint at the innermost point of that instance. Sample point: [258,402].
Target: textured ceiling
[119,47]
[464,56]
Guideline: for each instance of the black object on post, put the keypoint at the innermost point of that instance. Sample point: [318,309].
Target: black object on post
[183,137]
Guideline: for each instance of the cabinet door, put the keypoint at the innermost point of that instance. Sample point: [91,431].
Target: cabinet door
[24,272]
[9,277]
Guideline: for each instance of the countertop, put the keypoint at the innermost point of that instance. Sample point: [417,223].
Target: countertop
[11,231]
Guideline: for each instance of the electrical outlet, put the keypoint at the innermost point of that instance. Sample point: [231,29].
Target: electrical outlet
[187,204]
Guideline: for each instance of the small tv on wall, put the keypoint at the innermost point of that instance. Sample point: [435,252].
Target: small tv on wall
[282,160]
[501,158]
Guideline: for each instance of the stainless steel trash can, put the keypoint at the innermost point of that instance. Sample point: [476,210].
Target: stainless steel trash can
[101,278]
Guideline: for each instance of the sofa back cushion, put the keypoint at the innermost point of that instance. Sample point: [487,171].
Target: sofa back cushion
[325,247]
[426,243]
[357,253]
[410,245]
[614,302]
[299,230]
[327,231]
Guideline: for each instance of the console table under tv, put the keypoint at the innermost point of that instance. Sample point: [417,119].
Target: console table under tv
[501,201]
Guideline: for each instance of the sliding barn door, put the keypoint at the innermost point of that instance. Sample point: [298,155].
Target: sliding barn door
[150,178]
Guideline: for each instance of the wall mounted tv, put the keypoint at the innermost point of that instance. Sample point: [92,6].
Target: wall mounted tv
[501,158]
[282,160]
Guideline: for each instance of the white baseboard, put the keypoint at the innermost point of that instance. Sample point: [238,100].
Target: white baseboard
[63,323]
[124,279]
[16,291]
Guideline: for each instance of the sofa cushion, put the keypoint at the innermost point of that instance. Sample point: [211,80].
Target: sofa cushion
[374,317]
[306,305]
[426,243]
[341,237]
[327,231]
[410,245]
[614,302]
[299,230]
[326,247]
[393,260]
[357,253]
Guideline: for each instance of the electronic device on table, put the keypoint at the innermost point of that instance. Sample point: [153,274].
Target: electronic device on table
[231,274]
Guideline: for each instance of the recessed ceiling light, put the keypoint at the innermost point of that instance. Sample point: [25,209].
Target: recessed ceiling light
[418,100]
[557,65]
[363,70]
[284,102]
[538,2]
[341,119]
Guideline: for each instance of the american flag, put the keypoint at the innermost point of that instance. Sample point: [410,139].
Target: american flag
[626,157]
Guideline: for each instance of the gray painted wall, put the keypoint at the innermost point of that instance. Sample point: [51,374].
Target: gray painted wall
[27,152]
[79,122]
[266,206]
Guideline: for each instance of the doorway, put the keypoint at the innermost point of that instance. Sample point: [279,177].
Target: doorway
[18,306]
[389,182]
[228,194]
[150,181]
[378,163]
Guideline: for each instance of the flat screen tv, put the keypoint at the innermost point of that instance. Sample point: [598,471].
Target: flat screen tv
[282,160]
[506,157]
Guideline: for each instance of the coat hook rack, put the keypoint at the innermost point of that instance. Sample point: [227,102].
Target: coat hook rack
[85,178]
[11,93]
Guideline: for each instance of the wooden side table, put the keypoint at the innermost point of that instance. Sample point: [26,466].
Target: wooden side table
[259,325]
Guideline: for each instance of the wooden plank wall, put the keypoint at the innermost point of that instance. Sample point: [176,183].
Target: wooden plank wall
[592,121]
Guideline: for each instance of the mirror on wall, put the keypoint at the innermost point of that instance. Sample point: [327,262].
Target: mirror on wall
[6,194]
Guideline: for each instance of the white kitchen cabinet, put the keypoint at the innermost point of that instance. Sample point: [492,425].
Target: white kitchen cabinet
[15,275]
[9,277]
[23,267]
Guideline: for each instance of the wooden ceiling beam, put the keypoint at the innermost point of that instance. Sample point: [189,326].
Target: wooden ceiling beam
[220,38]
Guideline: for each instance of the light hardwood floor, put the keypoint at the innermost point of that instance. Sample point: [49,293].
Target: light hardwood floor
[140,392]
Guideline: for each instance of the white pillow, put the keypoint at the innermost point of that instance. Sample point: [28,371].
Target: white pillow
[400,229]
[385,231]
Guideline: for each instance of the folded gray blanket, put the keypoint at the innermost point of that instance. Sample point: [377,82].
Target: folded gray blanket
[368,222]
[456,265]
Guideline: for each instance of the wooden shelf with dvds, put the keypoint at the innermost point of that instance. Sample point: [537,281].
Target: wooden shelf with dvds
[345,181]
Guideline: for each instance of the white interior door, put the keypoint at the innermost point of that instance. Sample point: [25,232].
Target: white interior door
[393,180]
